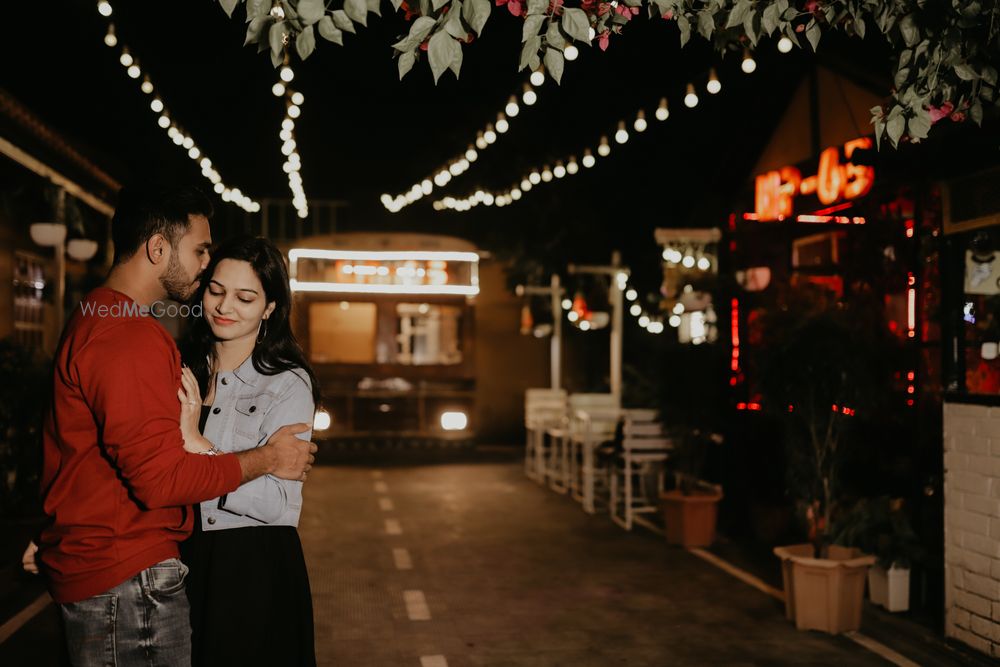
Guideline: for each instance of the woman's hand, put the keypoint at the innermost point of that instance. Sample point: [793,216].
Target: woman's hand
[190,397]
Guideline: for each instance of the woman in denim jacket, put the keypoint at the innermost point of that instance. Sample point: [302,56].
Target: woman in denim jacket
[248,586]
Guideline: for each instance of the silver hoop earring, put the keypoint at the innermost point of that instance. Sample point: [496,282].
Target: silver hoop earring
[262,330]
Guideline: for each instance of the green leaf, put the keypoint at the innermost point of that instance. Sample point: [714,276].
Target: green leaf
[456,62]
[438,4]
[311,11]
[576,24]
[275,37]
[329,31]
[453,23]
[357,11]
[554,37]
[685,29]
[706,23]
[531,26]
[859,26]
[537,7]
[342,21]
[920,124]
[976,113]
[739,13]
[305,43]
[554,63]
[894,126]
[258,8]
[990,75]
[966,72]
[256,29]
[529,53]
[769,20]
[442,52]
[476,13]
[374,8]
[396,4]
[751,26]
[901,76]
[908,28]
[813,33]
[229,6]
[405,63]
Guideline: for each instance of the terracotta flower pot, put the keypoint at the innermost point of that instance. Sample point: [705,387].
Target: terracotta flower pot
[690,520]
[824,593]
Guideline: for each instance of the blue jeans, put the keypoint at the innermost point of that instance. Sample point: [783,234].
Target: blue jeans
[143,621]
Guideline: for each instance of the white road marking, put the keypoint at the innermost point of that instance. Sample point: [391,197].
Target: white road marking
[381,487]
[402,558]
[867,642]
[23,616]
[386,504]
[416,606]
[433,661]
[392,527]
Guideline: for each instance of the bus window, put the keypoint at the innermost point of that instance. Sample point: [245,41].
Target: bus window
[428,334]
[342,332]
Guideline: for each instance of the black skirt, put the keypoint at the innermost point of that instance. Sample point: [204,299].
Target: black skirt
[250,597]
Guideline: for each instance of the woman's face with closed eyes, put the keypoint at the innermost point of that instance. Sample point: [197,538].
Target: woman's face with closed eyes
[234,302]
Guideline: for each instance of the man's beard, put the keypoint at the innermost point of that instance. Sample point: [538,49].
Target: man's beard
[176,282]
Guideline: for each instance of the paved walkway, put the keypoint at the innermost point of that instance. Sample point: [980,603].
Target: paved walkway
[459,565]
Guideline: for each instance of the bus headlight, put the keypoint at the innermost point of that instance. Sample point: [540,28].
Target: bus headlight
[322,420]
[454,421]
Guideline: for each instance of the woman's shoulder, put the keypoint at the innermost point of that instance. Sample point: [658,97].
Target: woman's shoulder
[292,380]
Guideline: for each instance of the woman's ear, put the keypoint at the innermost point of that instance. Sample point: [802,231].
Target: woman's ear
[269,310]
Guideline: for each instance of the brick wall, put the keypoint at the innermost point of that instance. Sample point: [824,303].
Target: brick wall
[972,525]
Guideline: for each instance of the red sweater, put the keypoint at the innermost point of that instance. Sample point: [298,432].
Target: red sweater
[116,481]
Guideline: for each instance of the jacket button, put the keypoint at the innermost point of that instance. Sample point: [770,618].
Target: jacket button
[211,520]
[253,408]
[216,411]
[225,380]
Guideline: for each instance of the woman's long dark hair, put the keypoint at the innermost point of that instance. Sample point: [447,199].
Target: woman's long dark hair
[277,350]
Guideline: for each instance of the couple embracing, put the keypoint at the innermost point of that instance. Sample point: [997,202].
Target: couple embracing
[173,478]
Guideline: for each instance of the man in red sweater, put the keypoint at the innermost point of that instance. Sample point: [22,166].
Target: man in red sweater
[117,483]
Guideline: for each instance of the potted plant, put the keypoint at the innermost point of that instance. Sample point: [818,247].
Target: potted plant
[690,509]
[825,362]
[881,527]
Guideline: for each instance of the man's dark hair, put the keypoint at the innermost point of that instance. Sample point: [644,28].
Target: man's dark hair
[146,210]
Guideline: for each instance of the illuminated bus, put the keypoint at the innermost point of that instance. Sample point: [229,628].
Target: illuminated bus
[387,322]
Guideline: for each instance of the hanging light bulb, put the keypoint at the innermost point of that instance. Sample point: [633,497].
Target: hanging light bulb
[640,121]
[147,86]
[287,74]
[631,294]
[164,121]
[691,98]
[603,148]
[529,97]
[490,134]
[481,143]
[471,155]
[156,105]
[635,309]
[546,174]
[785,45]
[502,124]
[526,185]
[538,76]
[621,136]
[749,64]
[572,167]
[662,111]
[512,109]
[298,98]
[278,89]
[288,124]
[133,71]
[588,158]
[704,263]
[126,58]
[515,194]
[571,52]
[104,8]
[110,38]
[559,170]
[714,85]
[294,111]
[535,178]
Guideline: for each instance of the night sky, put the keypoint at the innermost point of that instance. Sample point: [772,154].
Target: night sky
[362,132]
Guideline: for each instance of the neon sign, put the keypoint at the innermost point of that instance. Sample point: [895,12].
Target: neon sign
[775,191]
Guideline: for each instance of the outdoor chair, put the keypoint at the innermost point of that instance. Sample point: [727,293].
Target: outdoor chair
[644,451]
[591,423]
[543,409]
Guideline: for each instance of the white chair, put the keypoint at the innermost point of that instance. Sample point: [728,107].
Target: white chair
[543,409]
[644,450]
[592,420]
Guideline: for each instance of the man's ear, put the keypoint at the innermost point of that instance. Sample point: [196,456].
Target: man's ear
[269,310]
[157,249]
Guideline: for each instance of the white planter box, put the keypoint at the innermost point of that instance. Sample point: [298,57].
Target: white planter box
[890,588]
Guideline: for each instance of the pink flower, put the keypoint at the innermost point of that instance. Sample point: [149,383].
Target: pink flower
[937,113]
[800,27]
[812,6]
[627,12]
[604,39]
[513,6]
[668,16]
[958,117]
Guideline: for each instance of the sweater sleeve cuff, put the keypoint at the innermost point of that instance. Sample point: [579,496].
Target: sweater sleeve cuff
[232,471]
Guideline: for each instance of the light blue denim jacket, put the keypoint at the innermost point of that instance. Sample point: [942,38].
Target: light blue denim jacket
[248,408]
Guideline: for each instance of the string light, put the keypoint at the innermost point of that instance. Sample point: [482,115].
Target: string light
[546,174]
[572,167]
[529,96]
[785,45]
[538,77]
[714,85]
[164,121]
[289,147]
[621,136]
[490,135]
[640,121]
[571,52]
[749,65]
[603,148]
[559,171]
[286,74]
[662,111]
[588,159]
[512,109]
[691,98]
[278,89]
[502,125]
